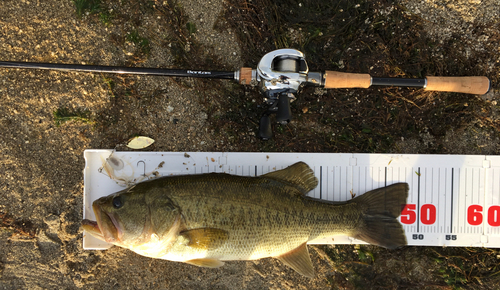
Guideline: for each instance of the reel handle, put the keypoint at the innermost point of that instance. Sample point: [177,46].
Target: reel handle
[265,131]
[284,113]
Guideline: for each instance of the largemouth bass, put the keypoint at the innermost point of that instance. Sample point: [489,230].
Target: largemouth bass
[206,219]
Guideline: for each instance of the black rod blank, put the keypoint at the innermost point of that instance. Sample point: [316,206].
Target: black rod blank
[121,70]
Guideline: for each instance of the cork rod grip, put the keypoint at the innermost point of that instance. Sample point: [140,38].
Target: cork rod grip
[339,80]
[466,85]
[245,75]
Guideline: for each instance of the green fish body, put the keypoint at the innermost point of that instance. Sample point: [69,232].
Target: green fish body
[209,218]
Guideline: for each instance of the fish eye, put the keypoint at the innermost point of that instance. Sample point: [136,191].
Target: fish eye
[117,202]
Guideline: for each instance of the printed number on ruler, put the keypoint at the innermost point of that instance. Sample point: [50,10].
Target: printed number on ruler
[428,214]
[475,215]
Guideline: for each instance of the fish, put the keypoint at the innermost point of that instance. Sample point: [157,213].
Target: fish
[207,219]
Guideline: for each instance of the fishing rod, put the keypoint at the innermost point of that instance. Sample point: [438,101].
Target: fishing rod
[279,75]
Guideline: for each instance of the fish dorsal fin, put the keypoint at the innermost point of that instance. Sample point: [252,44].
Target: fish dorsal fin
[299,175]
[205,238]
[299,260]
[209,263]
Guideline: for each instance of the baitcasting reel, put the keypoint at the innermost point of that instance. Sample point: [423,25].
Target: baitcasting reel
[280,74]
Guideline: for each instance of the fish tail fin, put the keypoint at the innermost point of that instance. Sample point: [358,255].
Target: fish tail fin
[379,223]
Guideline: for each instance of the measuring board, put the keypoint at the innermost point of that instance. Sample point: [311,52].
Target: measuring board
[454,200]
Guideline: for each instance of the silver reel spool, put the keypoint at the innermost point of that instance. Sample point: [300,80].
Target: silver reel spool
[282,71]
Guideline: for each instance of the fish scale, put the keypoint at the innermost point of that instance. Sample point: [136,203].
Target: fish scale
[256,230]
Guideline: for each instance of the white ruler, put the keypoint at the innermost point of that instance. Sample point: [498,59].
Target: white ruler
[454,200]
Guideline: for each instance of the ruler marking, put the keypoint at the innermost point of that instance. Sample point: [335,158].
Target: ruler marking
[462,195]
[490,229]
[385,178]
[327,198]
[451,212]
[438,203]
[439,181]
[418,201]
[367,173]
[339,173]
[445,198]
[466,200]
[346,185]
[472,193]
[469,191]
[339,183]
[321,182]
[333,182]
[432,184]
[370,173]
[330,192]
[494,189]
[482,195]
[488,185]
[429,189]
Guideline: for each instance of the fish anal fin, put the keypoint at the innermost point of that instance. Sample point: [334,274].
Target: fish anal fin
[299,175]
[205,238]
[206,262]
[299,260]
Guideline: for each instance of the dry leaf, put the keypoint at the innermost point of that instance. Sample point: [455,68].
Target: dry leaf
[140,142]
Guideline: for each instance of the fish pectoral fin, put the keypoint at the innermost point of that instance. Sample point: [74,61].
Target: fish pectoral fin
[209,263]
[299,175]
[205,238]
[299,260]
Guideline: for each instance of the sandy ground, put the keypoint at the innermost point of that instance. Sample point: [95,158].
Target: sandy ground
[41,183]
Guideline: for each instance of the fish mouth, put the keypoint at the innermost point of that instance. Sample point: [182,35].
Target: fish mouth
[106,224]
[118,230]
[92,228]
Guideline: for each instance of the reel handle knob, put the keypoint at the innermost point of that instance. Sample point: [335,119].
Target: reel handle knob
[265,131]
[284,113]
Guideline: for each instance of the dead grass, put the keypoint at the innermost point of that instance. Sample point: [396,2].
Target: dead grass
[17,228]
